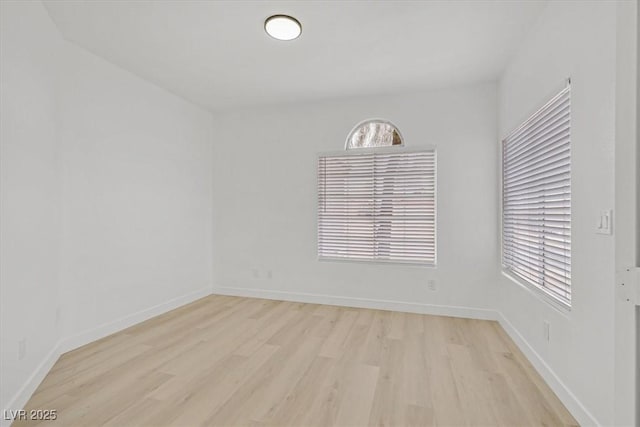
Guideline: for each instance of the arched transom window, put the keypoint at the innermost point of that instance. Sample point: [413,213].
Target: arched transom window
[374,133]
[377,204]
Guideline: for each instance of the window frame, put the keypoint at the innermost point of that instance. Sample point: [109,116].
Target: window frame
[368,150]
[560,306]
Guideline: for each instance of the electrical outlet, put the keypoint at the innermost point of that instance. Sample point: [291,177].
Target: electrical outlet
[546,330]
[255,273]
[22,348]
[269,274]
[432,285]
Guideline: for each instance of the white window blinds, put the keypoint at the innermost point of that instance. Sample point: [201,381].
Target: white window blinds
[536,199]
[378,206]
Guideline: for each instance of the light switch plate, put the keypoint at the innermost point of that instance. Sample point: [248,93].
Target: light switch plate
[604,225]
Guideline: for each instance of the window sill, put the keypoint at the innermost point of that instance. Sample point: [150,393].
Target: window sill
[375,262]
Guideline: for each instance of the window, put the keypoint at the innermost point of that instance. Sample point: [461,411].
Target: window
[378,206]
[536,200]
[374,133]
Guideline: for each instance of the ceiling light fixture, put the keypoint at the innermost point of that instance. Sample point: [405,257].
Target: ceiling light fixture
[283,27]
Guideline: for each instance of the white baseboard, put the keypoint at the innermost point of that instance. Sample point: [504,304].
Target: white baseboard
[570,401]
[24,394]
[409,307]
[93,334]
[70,343]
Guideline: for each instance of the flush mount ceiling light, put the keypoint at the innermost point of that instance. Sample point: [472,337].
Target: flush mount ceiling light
[283,27]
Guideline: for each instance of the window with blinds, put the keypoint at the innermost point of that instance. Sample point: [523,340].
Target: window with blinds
[378,206]
[536,199]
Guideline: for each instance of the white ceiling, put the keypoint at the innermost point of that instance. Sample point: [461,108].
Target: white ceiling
[216,53]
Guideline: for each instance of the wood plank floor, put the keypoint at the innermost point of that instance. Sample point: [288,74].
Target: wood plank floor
[242,361]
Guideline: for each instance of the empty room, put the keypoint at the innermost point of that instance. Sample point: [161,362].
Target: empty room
[319,213]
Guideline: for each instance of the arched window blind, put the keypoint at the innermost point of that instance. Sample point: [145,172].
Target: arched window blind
[378,206]
[536,199]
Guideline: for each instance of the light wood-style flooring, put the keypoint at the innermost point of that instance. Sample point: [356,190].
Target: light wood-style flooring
[229,361]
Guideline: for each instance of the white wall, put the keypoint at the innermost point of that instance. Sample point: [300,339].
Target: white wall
[137,199]
[265,187]
[30,188]
[576,39]
[106,198]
